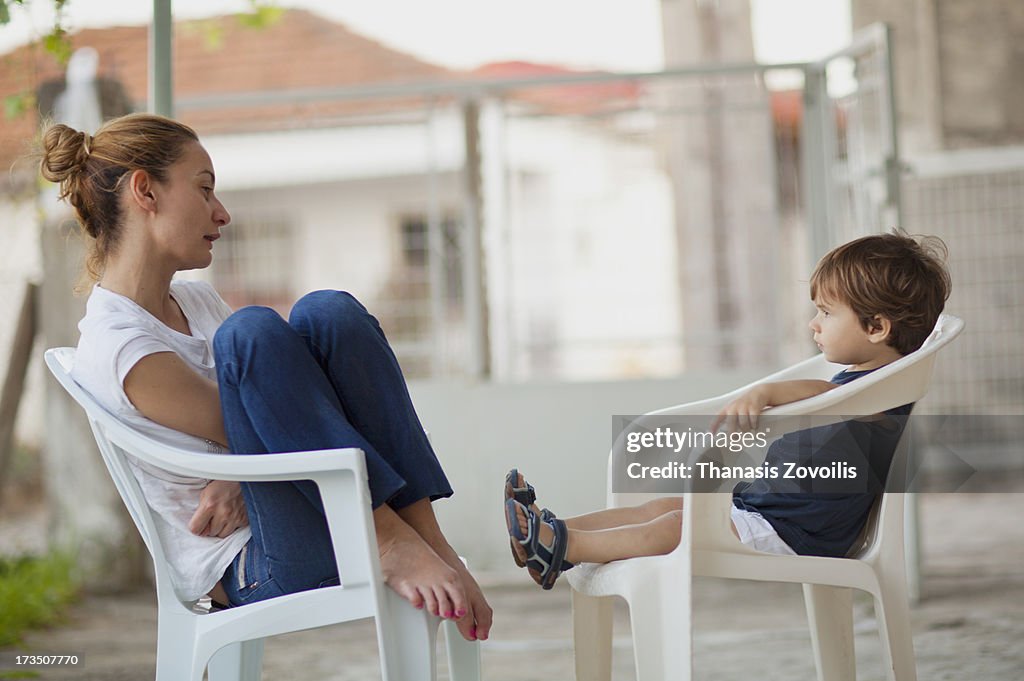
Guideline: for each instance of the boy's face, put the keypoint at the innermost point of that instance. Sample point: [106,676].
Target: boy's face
[843,340]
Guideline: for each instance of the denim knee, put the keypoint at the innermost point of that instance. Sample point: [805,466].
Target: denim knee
[336,312]
[243,327]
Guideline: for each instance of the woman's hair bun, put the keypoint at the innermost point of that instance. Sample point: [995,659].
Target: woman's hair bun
[65,153]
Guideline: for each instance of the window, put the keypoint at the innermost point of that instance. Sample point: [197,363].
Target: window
[253,263]
[415,243]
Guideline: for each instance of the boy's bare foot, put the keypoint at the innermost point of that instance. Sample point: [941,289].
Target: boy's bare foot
[414,570]
[517,488]
[546,537]
[519,482]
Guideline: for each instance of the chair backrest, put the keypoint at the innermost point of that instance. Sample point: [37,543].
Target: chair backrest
[116,443]
[911,373]
[901,382]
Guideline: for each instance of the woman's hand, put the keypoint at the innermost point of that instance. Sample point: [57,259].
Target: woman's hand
[742,413]
[221,510]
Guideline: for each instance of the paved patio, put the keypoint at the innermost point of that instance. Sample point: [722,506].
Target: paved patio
[969,625]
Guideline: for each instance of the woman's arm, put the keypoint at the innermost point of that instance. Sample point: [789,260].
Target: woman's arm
[742,413]
[165,390]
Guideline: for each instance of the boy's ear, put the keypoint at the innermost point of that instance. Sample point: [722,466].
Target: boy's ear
[878,329]
[140,190]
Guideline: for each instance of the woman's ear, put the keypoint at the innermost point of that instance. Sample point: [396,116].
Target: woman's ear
[140,190]
[879,329]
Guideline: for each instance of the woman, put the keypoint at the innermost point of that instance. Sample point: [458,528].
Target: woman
[169,358]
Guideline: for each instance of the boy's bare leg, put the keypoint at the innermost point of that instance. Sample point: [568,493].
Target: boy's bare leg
[629,515]
[476,621]
[617,517]
[652,538]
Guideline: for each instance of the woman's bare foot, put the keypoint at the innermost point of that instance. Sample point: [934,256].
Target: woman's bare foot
[414,570]
[476,625]
[475,622]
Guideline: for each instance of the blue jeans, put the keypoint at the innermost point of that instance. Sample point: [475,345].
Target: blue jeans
[324,379]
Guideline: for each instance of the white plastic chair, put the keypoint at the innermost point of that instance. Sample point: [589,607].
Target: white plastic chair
[658,589]
[231,641]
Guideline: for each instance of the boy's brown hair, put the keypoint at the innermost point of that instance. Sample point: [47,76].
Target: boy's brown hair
[901,278]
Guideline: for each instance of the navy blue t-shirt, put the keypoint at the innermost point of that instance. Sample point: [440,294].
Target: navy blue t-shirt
[810,519]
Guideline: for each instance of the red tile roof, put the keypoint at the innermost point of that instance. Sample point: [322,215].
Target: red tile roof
[567,98]
[301,50]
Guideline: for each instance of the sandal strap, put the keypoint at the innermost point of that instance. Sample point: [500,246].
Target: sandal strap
[524,495]
[559,545]
[548,561]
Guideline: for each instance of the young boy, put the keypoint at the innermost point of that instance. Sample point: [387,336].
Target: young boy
[877,300]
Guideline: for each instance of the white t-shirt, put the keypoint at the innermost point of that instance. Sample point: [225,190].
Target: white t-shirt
[117,333]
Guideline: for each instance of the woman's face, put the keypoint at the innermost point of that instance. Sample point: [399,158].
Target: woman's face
[189,214]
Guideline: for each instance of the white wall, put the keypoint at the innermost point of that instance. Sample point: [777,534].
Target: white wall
[346,232]
[557,434]
[579,241]
[590,254]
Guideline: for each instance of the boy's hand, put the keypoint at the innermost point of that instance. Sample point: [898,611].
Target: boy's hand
[742,413]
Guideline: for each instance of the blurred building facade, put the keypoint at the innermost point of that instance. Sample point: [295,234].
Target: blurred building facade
[344,193]
[366,194]
[959,70]
[631,227]
[960,86]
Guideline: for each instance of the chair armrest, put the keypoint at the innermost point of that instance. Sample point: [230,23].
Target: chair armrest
[263,467]
[249,468]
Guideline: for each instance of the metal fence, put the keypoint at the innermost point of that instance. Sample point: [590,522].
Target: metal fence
[598,226]
[602,226]
[974,200]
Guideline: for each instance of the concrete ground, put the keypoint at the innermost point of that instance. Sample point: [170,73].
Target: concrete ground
[969,624]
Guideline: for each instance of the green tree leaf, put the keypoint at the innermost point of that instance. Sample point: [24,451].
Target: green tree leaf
[263,15]
[17,104]
[57,44]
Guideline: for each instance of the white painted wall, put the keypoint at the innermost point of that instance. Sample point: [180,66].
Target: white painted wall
[579,241]
[557,434]
[591,254]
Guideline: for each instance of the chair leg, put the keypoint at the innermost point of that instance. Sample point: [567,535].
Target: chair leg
[241,661]
[463,655]
[592,637]
[408,648]
[830,617]
[893,612]
[662,633]
[176,654]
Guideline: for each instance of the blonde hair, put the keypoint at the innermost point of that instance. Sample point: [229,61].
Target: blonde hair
[899,277]
[92,169]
